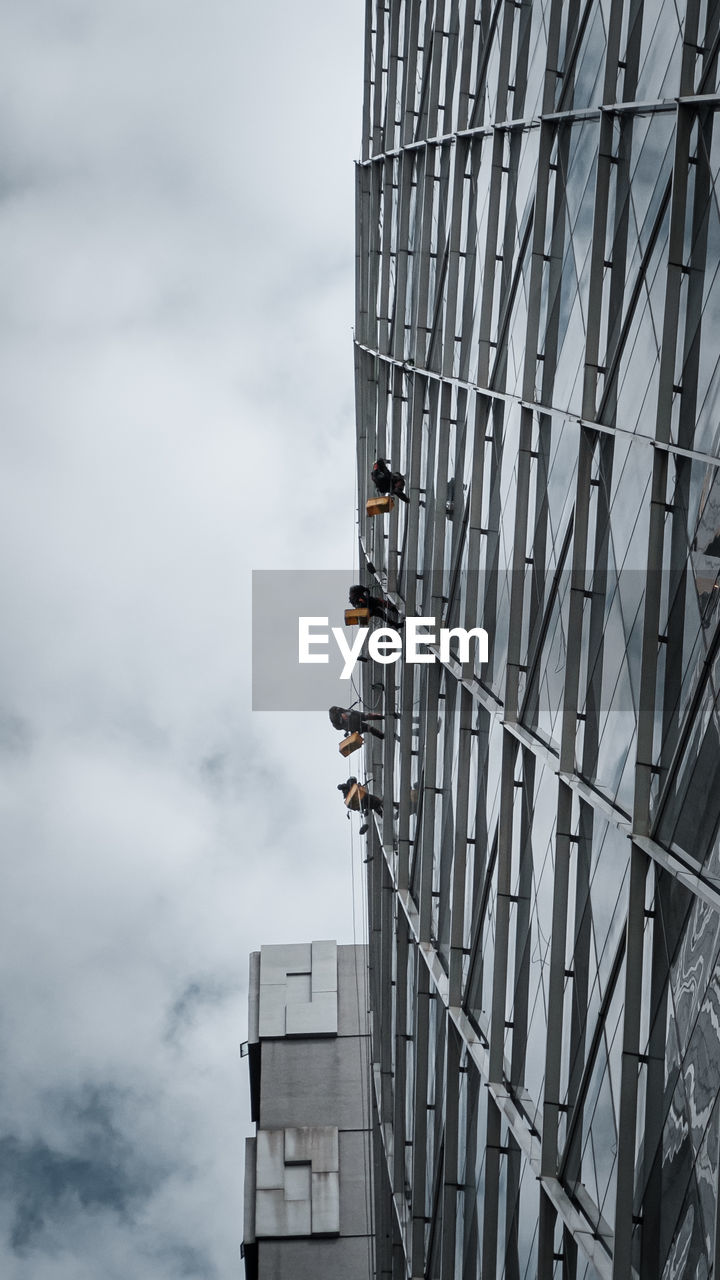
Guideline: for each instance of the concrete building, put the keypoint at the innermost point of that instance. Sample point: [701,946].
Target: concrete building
[307,1169]
[536,349]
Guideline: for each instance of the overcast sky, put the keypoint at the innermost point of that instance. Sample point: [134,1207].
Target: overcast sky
[177,263]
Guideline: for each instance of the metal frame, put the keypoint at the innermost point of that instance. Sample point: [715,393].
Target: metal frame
[468,229]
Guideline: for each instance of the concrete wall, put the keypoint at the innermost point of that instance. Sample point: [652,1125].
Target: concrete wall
[340,1259]
[308,1018]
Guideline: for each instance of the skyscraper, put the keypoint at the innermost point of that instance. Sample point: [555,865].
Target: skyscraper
[536,349]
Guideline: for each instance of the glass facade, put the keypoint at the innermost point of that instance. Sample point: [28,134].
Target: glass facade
[537,350]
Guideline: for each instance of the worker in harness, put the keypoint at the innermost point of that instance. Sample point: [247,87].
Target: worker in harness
[360,598]
[387,481]
[352,721]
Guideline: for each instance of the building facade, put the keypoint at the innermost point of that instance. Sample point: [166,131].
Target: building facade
[536,349]
[308,1166]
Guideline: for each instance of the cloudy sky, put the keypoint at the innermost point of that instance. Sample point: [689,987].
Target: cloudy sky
[176,252]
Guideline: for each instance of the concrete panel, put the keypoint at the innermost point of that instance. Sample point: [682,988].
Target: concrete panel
[355,1163]
[291,1197]
[325,1149]
[325,1203]
[318,1018]
[329,1259]
[298,1218]
[275,1215]
[318,1146]
[324,967]
[352,992]
[271,1020]
[270,1213]
[249,1191]
[270,1166]
[277,962]
[298,1145]
[313,1082]
[297,1182]
[254,997]
[301,960]
[298,989]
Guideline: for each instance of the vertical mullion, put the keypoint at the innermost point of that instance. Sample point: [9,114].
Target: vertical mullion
[430,114]
[440,521]
[555,1015]
[402,263]
[451,1169]
[471,256]
[427,838]
[466,65]
[386,938]
[489,272]
[367,83]
[488,1268]
[648,678]
[451,70]
[412,18]
[362,252]
[386,167]
[421,266]
[457,919]
[675,626]
[499,999]
[377,118]
[419,1139]
[475,530]
[389,125]
[447,360]
[375,253]
[400,1032]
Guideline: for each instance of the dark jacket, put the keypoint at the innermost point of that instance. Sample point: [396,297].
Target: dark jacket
[359,596]
[345,719]
[346,787]
[381,476]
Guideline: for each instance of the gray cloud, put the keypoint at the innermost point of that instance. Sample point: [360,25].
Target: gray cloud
[190,1003]
[90,1166]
